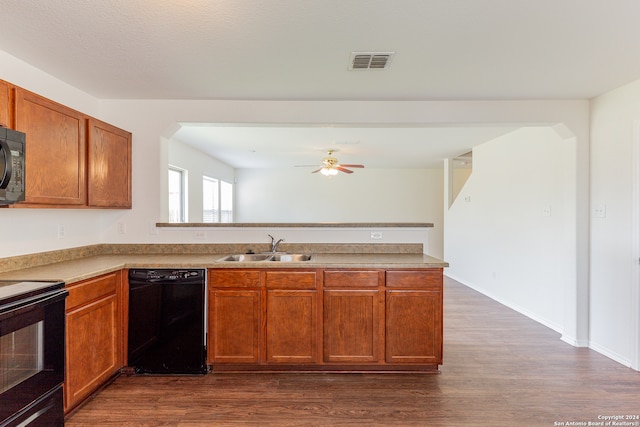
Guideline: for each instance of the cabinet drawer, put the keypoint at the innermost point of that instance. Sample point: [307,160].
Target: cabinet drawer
[351,279]
[91,290]
[423,279]
[234,278]
[290,279]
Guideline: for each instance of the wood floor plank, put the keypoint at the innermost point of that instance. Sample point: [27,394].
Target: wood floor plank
[500,369]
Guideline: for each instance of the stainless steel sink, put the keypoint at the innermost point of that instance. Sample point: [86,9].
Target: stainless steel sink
[290,257]
[278,257]
[246,257]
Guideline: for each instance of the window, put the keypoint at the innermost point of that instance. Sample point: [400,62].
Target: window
[226,201]
[177,195]
[217,200]
[210,199]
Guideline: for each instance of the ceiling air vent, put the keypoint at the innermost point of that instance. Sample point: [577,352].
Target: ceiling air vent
[370,60]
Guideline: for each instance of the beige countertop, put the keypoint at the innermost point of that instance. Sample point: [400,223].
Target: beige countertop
[296,224]
[71,271]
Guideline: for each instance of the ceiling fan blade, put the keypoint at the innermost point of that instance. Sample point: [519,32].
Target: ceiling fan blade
[341,169]
[317,170]
[352,166]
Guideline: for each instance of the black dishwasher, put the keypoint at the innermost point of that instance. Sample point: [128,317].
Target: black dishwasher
[167,321]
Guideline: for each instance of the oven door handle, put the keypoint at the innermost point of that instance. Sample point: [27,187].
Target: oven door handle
[4,181]
[20,306]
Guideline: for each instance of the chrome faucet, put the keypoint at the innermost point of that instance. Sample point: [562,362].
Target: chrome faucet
[274,243]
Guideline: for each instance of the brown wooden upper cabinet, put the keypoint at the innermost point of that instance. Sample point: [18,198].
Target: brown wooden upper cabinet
[72,160]
[109,163]
[55,150]
[5,104]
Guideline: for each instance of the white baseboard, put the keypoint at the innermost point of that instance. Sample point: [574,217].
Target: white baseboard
[574,342]
[610,354]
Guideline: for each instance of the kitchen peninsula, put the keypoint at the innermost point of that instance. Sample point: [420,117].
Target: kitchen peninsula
[348,308]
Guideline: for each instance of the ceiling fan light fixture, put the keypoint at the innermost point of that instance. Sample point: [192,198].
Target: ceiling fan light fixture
[329,166]
[329,171]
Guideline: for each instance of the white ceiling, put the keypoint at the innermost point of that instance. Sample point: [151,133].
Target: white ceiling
[375,147]
[299,50]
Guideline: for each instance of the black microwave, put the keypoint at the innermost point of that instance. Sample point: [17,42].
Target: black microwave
[12,166]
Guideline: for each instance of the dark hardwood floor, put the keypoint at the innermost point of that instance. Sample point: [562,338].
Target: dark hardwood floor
[500,369]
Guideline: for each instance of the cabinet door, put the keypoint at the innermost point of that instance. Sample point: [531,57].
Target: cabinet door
[5,104]
[55,150]
[109,165]
[413,326]
[351,325]
[234,326]
[347,279]
[93,336]
[291,326]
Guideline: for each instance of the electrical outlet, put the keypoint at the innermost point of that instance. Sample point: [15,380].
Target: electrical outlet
[376,235]
[600,211]
[61,231]
[546,211]
[199,235]
[122,227]
[153,230]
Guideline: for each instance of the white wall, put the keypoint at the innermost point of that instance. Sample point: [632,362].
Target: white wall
[614,300]
[510,232]
[370,195]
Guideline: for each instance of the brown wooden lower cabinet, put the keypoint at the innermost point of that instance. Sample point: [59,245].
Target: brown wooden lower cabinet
[413,326]
[291,326]
[262,317]
[234,326]
[268,319]
[93,336]
[351,325]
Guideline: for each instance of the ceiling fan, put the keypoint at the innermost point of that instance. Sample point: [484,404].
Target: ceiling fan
[330,166]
